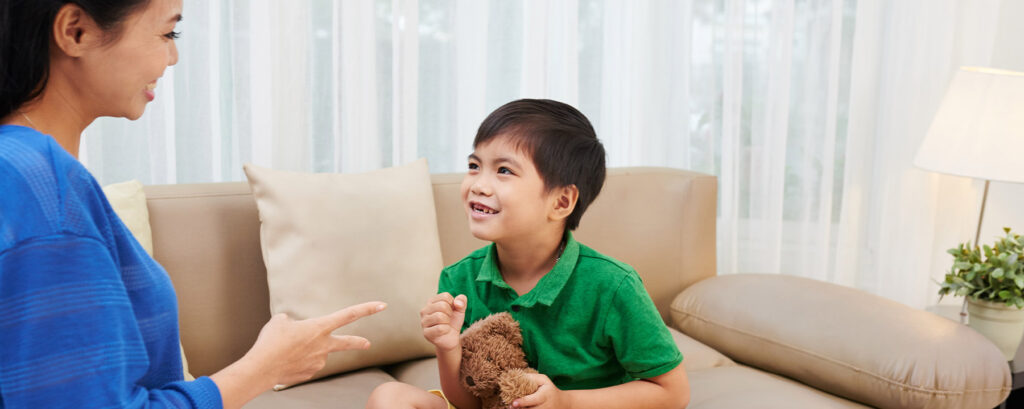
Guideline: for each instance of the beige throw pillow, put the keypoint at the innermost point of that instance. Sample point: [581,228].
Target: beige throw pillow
[333,240]
[129,203]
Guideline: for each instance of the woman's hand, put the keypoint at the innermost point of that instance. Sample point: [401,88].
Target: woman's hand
[289,351]
[442,320]
[547,395]
[292,351]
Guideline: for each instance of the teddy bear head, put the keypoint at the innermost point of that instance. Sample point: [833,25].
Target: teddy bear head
[490,348]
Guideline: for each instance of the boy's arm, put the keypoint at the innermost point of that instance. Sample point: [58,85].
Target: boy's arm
[442,320]
[670,390]
[448,363]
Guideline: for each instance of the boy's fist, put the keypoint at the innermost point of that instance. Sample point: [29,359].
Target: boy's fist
[442,320]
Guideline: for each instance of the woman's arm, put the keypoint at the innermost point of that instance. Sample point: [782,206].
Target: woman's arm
[670,390]
[70,338]
[69,334]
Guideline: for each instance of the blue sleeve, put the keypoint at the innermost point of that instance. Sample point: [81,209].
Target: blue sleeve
[69,337]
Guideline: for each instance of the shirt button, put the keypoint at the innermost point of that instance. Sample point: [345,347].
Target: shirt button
[515,308]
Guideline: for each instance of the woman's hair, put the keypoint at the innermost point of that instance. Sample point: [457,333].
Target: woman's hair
[25,30]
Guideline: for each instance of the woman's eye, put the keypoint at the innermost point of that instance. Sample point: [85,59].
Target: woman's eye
[504,171]
[173,35]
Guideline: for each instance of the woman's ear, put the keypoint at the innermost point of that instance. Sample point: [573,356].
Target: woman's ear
[74,30]
[564,202]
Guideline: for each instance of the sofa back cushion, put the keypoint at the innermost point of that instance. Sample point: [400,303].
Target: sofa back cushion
[661,221]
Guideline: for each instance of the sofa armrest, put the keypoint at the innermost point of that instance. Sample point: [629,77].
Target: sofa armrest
[844,341]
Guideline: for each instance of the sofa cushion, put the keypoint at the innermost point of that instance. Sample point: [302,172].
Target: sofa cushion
[129,202]
[697,356]
[334,240]
[346,391]
[844,341]
[745,387]
[418,372]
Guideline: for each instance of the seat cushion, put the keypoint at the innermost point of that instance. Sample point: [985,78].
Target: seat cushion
[418,372]
[740,386]
[697,356]
[346,391]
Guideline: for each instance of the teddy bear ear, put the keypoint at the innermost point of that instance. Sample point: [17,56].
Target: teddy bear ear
[508,327]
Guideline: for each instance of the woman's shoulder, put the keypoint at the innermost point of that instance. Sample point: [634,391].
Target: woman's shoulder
[46,191]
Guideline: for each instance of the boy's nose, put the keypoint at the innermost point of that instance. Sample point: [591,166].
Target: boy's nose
[480,189]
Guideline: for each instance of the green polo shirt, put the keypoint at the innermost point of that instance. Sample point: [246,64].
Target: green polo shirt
[589,323]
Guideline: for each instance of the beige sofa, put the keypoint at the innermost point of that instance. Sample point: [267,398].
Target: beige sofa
[752,341]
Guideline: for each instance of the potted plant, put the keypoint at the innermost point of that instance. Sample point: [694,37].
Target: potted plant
[992,279]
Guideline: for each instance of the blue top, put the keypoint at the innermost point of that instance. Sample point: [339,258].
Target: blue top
[87,318]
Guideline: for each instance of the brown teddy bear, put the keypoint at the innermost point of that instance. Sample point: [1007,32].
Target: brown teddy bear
[494,366]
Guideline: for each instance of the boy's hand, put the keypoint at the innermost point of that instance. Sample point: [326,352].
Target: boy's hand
[547,395]
[442,320]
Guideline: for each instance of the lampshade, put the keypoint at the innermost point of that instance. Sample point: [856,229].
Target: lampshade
[979,129]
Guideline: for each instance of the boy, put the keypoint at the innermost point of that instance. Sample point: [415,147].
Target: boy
[588,325]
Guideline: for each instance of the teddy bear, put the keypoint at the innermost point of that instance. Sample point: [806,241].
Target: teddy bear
[494,366]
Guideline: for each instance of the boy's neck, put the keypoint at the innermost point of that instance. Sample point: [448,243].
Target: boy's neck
[523,262]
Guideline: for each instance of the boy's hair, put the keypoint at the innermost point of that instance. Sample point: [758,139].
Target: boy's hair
[560,141]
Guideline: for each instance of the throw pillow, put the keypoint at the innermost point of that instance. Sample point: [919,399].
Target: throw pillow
[333,240]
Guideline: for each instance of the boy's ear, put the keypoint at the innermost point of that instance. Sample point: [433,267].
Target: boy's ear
[564,202]
[74,30]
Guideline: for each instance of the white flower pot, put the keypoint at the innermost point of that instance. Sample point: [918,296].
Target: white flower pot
[1001,324]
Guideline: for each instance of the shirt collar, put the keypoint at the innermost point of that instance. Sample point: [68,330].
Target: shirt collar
[549,286]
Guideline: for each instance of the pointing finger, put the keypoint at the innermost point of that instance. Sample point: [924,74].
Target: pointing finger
[346,316]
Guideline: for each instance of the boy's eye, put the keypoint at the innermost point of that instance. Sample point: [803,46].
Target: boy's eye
[173,35]
[505,171]
[473,166]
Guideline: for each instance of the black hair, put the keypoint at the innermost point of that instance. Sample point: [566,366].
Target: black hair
[26,27]
[560,141]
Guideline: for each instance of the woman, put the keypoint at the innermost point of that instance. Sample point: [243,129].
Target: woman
[87,319]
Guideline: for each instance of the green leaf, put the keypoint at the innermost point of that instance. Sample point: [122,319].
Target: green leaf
[971,275]
[1004,294]
[1019,281]
[998,273]
[962,265]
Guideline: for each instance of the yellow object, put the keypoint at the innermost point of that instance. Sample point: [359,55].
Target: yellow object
[439,393]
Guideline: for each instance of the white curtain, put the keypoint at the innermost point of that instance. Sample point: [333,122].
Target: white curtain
[808,111]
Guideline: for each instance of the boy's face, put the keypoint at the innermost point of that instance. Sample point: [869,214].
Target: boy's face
[503,194]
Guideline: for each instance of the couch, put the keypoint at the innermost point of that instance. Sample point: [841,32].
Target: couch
[765,341]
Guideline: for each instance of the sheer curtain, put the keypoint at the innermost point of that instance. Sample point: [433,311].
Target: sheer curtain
[808,111]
